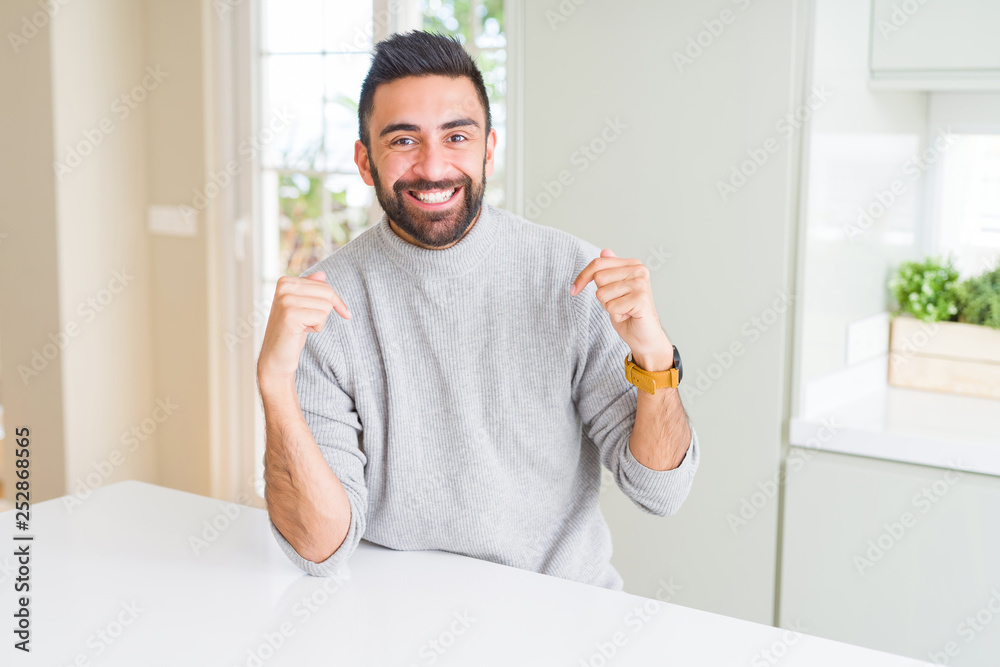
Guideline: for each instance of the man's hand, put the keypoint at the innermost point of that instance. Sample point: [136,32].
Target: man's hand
[301,305]
[306,501]
[661,435]
[623,288]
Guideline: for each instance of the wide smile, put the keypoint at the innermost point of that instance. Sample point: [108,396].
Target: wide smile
[432,199]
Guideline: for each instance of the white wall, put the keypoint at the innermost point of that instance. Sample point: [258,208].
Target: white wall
[654,190]
[858,146]
[78,159]
[97,56]
[115,90]
[29,259]
[179,267]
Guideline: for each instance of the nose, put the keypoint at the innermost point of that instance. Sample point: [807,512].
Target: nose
[431,162]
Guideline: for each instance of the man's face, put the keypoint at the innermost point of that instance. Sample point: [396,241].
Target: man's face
[430,156]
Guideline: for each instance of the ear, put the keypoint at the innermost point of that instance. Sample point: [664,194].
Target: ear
[491,146]
[364,166]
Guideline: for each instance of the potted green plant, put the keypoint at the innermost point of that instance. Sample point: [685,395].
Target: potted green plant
[946,334]
[979,299]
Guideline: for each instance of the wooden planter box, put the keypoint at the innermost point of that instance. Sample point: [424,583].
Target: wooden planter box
[945,356]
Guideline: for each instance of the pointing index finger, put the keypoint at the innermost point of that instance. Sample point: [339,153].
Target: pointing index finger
[338,304]
[588,271]
[341,307]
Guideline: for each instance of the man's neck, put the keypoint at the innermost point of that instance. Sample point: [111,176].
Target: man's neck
[409,239]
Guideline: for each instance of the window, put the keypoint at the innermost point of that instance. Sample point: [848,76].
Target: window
[479,25]
[314,56]
[967,214]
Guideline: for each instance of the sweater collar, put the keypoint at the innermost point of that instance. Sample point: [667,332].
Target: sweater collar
[442,263]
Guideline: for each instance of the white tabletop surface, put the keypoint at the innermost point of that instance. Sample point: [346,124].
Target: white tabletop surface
[121,566]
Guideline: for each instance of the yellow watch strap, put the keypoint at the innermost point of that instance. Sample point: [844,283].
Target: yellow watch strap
[649,381]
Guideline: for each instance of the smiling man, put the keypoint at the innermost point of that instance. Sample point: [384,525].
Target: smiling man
[480,369]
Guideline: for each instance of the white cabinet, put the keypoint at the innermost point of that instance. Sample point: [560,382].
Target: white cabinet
[892,556]
[934,45]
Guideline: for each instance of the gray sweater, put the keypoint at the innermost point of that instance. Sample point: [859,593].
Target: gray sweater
[470,401]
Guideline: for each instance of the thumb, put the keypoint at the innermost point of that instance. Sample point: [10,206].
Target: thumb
[607,252]
[319,275]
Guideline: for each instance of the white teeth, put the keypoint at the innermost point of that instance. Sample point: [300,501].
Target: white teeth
[435,197]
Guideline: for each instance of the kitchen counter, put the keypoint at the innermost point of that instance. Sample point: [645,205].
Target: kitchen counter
[909,425]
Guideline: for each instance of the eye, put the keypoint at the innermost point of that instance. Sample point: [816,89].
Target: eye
[401,139]
[458,136]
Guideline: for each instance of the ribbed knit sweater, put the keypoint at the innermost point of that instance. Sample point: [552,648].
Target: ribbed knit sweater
[469,403]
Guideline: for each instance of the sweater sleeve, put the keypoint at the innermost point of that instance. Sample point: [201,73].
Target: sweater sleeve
[606,402]
[331,416]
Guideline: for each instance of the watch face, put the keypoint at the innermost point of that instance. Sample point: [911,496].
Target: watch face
[678,365]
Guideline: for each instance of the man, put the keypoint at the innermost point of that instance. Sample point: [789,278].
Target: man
[474,380]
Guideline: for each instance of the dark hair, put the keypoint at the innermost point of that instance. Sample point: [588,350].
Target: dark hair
[417,53]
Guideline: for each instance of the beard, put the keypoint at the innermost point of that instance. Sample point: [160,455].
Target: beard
[431,228]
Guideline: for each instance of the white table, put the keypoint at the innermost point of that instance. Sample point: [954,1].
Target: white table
[122,563]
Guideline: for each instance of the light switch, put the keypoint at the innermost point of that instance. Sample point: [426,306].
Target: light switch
[173,221]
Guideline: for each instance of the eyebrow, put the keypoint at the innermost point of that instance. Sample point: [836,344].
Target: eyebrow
[409,127]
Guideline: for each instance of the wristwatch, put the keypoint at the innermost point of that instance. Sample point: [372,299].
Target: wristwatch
[650,381]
